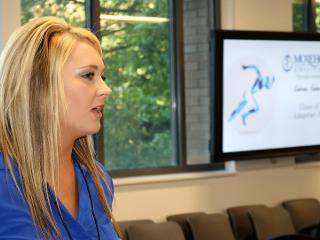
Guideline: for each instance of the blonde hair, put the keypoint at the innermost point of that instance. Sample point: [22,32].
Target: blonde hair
[31,101]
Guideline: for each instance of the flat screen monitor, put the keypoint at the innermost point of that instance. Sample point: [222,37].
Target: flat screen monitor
[265,89]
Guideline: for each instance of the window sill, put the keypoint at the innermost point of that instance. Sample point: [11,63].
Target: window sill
[229,170]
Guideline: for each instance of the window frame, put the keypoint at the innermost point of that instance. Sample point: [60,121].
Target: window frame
[308,16]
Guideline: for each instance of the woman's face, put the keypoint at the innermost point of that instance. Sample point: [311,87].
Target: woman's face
[85,92]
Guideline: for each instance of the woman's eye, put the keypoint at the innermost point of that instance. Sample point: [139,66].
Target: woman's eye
[89,75]
[103,77]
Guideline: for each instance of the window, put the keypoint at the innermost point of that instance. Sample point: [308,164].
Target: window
[156,54]
[138,125]
[298,15]
[72,11]
[306,15]
[317,13]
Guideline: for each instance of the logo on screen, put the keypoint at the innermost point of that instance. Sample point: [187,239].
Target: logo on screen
[287,63]
[251,106]
[301,63]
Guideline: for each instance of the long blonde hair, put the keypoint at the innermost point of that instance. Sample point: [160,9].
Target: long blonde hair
[31,101]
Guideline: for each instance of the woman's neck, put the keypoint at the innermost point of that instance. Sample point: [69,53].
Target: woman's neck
[66,146]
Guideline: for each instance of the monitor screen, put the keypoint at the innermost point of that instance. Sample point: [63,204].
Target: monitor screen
[266,94]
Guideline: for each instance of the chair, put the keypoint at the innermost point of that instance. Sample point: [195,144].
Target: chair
[270,223]
[210,227]
[240,222]
[155,231]
[181,219]
[305,214]
[125,224]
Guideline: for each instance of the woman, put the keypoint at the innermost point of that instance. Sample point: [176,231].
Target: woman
[51,100]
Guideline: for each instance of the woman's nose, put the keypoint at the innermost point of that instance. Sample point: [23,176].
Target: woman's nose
[104,89]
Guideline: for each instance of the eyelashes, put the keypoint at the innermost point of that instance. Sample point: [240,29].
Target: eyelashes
[91,75]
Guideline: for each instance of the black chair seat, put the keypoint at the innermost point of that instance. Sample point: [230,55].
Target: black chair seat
[294,237]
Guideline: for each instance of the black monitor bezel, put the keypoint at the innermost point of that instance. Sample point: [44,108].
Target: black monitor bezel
[216,93]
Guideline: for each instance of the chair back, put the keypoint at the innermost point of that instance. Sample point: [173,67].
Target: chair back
[125,224]
[211,227]
[305,213]
[182,220]
[240,222]
[269,223]
[155,231]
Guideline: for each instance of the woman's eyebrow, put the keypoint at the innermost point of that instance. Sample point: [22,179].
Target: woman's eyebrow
[93,66]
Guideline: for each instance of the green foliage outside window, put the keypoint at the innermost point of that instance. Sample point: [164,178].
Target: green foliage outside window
[298,15]
[298,9]
[318,16]
[72,11]
[137,122]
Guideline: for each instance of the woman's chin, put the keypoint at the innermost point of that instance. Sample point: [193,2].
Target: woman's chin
[95,130]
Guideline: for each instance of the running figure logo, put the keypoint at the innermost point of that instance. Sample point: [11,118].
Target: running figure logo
[249,96]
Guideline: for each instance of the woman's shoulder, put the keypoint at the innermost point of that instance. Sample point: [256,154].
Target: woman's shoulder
[2,163]
[10,187]
[6,180]
[14,211]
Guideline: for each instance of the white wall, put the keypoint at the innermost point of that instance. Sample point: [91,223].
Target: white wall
[263,184]
[266,15]
[9,18]
[263,15]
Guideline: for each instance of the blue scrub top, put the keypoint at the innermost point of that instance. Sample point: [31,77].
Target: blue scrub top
[15,218]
